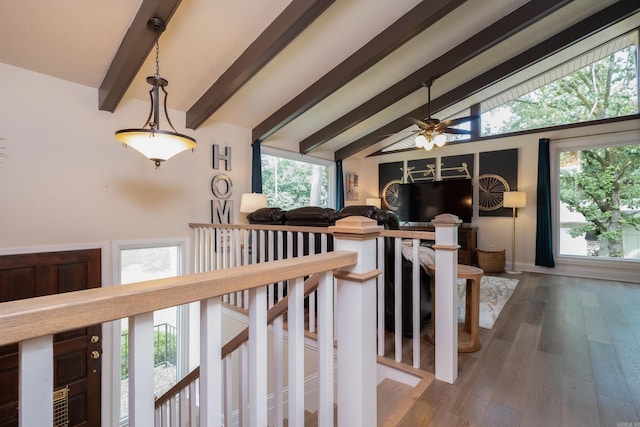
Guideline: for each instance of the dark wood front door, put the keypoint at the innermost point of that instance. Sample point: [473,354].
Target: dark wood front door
[76,353]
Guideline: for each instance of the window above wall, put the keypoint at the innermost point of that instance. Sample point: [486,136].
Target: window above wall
[599,84]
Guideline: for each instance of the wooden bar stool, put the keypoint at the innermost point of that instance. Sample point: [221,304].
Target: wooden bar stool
[472,276]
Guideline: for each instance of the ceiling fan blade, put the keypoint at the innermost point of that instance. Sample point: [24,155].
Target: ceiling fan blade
[457,131]
[420,123]
[459,120]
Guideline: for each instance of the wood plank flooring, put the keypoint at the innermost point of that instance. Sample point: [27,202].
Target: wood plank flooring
[564,352]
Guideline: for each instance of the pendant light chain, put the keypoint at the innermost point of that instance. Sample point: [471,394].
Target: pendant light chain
[158,56]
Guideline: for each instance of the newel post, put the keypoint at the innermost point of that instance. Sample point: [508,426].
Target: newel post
[446,248]
[356,322]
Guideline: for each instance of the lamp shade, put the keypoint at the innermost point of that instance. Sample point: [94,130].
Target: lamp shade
[514,199]
[251,202]
[373,202]
[155,144]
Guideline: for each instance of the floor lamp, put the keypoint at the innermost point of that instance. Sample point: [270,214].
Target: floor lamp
[514,200]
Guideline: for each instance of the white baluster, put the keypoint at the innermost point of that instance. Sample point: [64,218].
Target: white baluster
[183,418]
[141,404]
[415,298]
[295,319]
[325,350]
[312,296]
[174,413]
[228,388]
[271,251]
[210,362]
[380,281]
[243,413]
[278,371]
[193,407]
[397,298]
[258,357]
[36,381]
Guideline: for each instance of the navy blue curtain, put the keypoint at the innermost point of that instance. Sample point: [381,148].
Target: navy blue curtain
[339,186]
[544,231]
[256,168]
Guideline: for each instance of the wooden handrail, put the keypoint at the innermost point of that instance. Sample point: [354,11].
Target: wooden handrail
[404,234]
[292,228]
[279,308]
[62,312]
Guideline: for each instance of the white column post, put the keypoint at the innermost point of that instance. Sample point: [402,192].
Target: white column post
[446,346]
[35,398]
[356,322]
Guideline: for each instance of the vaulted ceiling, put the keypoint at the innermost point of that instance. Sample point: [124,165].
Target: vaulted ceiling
[320,77]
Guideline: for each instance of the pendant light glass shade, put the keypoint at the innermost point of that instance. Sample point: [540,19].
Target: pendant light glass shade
[155,144]
[440,139]
[427,140]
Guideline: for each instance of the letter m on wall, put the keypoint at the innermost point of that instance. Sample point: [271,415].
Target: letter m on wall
[221,211]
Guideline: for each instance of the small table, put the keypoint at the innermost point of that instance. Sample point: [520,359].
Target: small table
[472,275]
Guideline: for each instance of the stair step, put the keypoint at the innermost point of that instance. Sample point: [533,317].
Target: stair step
[390,394]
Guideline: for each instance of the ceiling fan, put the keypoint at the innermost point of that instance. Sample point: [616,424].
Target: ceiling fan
[431,131]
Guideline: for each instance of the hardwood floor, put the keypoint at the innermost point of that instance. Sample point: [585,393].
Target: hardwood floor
[565,351]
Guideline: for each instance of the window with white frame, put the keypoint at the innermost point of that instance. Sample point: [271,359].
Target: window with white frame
[598,198]
[138,262]
[291,180]
[599,84]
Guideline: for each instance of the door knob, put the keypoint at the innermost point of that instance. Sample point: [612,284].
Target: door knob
[95,339]
[95,354]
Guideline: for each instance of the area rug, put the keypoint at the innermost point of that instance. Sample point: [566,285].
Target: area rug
[494,294]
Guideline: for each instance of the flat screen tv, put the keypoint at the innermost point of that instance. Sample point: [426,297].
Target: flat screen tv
[423,201]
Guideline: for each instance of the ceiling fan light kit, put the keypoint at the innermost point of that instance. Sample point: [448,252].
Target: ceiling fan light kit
[431,132]
[428,140]
[155,144]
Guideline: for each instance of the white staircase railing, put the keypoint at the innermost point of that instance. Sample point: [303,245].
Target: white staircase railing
[219,246]
[251,286]
[33,322]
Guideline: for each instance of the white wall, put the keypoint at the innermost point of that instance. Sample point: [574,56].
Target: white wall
[67,180]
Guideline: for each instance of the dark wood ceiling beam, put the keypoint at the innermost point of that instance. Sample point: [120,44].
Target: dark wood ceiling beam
[502,29]
[409,25]
[286,27]
[135,46]
[587,27]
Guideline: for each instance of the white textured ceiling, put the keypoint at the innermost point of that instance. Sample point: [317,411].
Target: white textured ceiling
[76,40]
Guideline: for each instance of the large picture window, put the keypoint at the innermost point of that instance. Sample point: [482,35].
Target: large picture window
[599,84]
[598,191]
[291,181]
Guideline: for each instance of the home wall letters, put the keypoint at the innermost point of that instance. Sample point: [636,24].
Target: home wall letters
[221,187]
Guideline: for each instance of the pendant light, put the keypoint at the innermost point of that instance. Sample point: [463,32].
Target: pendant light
[155,144]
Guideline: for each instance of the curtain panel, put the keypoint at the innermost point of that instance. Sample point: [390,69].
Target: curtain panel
[544,230]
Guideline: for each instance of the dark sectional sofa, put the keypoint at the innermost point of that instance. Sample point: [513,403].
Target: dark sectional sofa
[312,216]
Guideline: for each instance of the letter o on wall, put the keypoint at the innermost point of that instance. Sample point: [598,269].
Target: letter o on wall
[221,186]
